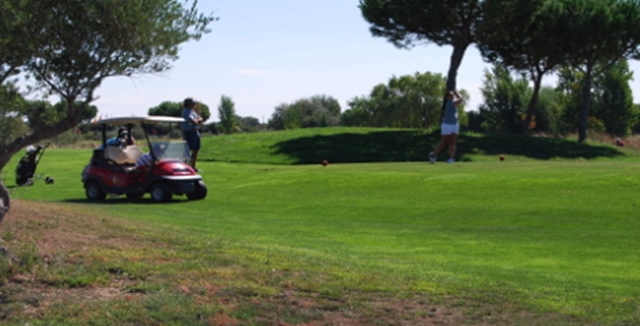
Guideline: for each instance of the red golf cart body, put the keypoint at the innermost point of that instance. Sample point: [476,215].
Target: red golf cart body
[113,170]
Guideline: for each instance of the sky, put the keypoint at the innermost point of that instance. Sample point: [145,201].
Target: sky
[265,53]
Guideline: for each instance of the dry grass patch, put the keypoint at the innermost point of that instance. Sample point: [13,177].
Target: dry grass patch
[55,238]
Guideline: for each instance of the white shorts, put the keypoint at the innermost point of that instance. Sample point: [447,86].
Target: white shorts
[449,129]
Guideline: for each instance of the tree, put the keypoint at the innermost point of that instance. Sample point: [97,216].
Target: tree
[319,111]
[69,47]
[167,108]
[357,115]
[569,90]
[408,22]
[17,43]
[409,101]
[549,111]
[40,114]
[227,115]
[636,128]
[248,124]
[174,109]
[12,125]
[524,36]
[293,117]
[316,111]
[380,105]
[600,33]
[613,101]
[504,100]
[276,122]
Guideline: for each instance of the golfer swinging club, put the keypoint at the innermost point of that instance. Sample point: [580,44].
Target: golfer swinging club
[450,127]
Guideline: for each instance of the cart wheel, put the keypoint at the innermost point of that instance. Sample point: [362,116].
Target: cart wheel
[94,191]
[161,192]
[49,180]
[199,191]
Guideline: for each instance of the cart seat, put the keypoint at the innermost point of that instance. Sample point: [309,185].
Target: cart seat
[123,156]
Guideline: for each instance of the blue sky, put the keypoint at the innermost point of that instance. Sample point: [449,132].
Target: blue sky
[264,53]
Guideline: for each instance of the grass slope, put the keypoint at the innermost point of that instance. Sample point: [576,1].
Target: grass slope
[349,145]
[557,238]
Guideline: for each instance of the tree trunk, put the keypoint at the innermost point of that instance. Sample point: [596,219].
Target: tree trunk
[533,103]
[454,65]
[5,200]
[586,104]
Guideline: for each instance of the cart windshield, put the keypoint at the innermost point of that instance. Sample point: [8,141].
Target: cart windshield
[176,150]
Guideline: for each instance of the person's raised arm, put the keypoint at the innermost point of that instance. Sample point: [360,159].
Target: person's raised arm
[457,98]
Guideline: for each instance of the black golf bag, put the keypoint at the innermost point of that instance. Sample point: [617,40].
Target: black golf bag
[25,172]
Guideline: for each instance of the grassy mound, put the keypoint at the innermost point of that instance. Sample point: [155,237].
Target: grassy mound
[350,145]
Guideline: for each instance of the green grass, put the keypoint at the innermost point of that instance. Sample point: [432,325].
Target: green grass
[349,145]
[545,231]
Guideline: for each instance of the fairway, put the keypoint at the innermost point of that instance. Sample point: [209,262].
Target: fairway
[547,236]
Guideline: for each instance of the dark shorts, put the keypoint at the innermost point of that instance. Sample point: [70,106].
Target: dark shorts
[192,137]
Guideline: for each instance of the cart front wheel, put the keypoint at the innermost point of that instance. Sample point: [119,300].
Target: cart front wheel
[94,191]
[161,192]
[199,192]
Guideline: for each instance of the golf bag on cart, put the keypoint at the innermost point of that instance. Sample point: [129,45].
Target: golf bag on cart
[25,172]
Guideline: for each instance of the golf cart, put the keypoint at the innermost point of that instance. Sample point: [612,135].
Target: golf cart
[112,169]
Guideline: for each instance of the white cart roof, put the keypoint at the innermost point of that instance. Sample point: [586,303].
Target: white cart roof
[137,120]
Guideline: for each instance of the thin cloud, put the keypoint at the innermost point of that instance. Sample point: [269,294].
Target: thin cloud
[254,72]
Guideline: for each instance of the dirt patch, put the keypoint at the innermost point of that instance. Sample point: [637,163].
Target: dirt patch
[369,309]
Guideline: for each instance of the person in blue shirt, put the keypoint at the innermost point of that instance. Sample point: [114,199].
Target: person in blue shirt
[122,139]
[191,129]
[449,128]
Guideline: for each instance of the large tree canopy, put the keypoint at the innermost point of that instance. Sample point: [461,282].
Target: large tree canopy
[69,47]
[524,36]
[612,98]
[408,22]
[600,33]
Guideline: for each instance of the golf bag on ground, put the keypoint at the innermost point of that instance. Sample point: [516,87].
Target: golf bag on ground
[25,172]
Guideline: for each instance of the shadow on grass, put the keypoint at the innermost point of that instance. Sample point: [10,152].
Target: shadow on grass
[414,145]
[35,184]
[123,201]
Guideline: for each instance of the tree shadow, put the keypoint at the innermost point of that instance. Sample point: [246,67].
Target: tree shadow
[541,148]
[414,145]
